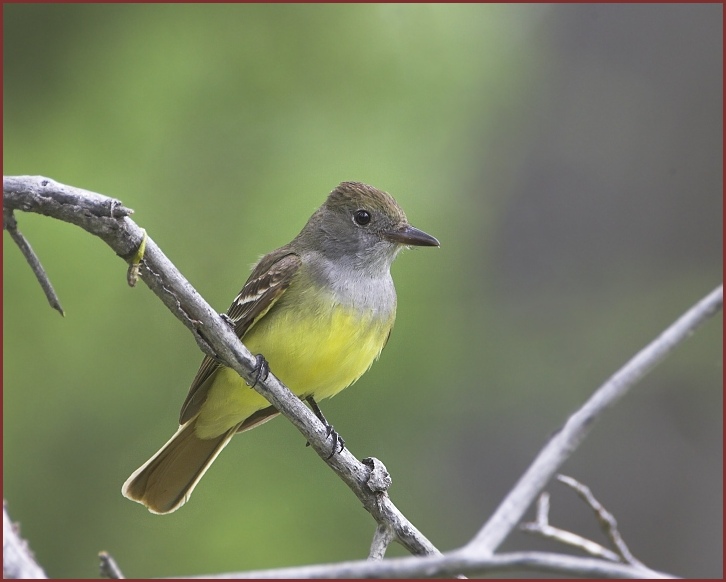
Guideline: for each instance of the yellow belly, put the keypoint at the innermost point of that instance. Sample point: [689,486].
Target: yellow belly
[312,353]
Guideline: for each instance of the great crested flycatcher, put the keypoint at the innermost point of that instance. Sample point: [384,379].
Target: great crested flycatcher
[319,310]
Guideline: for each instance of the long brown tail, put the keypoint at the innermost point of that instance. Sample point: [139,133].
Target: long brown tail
[164,483]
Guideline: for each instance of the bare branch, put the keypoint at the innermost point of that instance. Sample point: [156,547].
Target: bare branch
[108,567]
[452,563]
[18,560]
[108,219]
[568,438]
[605,518]
[381,540]
[11,225]
[542,528]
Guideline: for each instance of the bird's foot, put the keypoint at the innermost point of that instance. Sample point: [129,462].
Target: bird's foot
[228,320]
[338,441]
[261,369]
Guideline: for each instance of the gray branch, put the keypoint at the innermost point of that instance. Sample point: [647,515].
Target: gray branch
[453,563]
[11,225]
[569,437]
[108,219]
[381,540]
[607,520]
[18,560]
[542,527]
[108,568]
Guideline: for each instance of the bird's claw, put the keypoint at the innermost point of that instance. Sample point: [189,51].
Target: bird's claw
[337,440]
[261,369]
[330,431]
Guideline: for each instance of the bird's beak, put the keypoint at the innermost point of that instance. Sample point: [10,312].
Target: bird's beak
[408,235]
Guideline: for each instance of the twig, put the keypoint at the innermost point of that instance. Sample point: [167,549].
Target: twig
[542,528]
[214,336]
[109,220]
[108,567]
[381,540]
[606,519]
[18,560]
[452,563]
[567,439]
[11,225]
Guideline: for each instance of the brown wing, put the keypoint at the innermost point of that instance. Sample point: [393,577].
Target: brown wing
[268,281]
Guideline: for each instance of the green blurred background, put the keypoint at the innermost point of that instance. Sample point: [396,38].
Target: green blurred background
[568,157]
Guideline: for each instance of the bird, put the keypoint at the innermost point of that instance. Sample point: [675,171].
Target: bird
[318,311]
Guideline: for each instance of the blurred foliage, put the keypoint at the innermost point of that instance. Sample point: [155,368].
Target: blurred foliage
[568,157]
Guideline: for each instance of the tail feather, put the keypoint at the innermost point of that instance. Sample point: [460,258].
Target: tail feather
[164,483]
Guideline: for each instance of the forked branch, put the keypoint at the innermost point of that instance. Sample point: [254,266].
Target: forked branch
[108,219]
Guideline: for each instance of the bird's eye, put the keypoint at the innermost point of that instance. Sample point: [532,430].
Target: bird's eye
[361,217]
